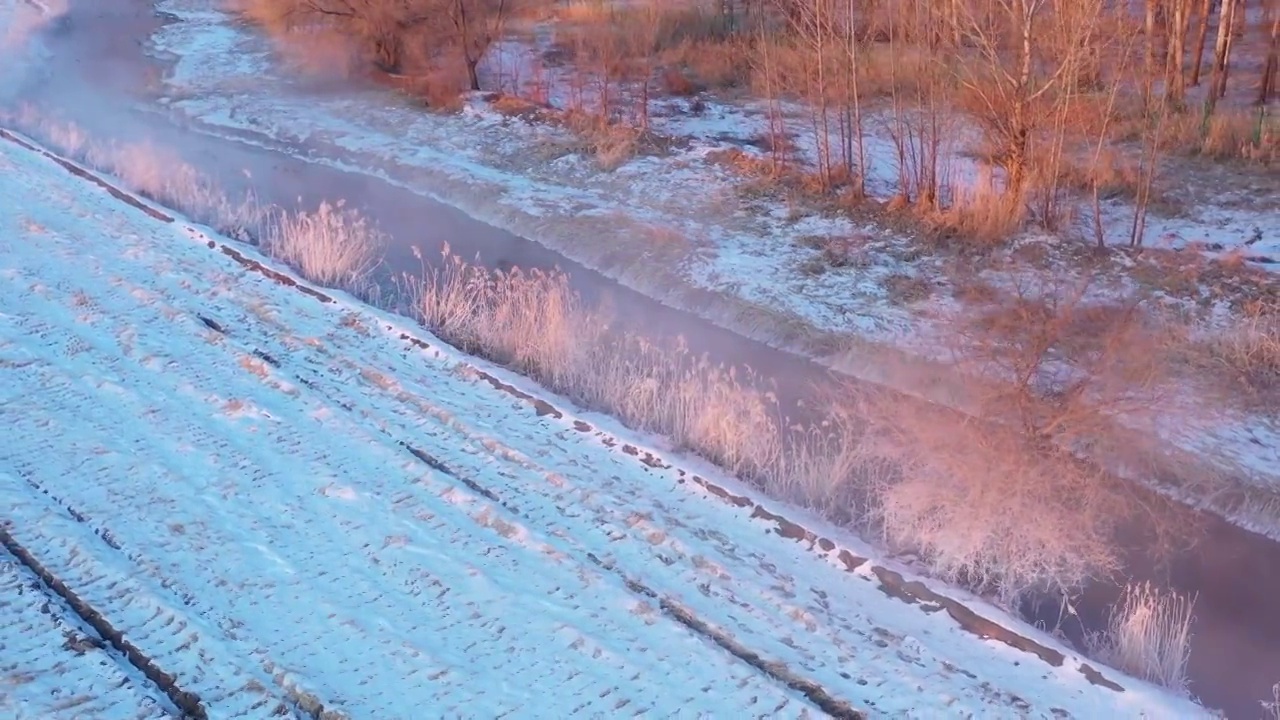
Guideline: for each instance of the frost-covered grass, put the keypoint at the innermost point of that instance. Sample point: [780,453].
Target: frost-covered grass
[335,246]
[1248,355]
[151,170]
[534,323]
[1149,636]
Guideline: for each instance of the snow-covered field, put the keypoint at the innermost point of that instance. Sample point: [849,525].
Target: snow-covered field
[676,227]
[278,498]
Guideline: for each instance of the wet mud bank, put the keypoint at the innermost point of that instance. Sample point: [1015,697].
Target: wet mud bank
[97,70]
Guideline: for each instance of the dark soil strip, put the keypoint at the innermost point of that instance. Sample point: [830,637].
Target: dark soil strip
[779,672]
[440,467]
[300,700]
[80,638]
[916,592]
[187,702]
[255,266]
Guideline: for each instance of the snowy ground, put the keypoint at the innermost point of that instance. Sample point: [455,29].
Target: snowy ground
[280,500]
[676,226]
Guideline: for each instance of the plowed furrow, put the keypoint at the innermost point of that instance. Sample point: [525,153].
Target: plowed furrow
[199,674]
[55,665]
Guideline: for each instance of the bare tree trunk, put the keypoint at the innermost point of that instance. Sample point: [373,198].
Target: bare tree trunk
[1147,168]
[899,129]
[1113,94]
[857,103]
[1175,75]
[1149,56]
[473,76]
[1206,10]
[1221,54]
[776,127]
[1018,145]
[823,127]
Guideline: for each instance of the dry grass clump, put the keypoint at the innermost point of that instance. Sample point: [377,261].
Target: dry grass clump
[1242,135]
[979,216]
[334,246]
[1248,136]
[439,88]
[1149,637]
[1111,172]
[516,106]
[162,176]
[610,144]
[715,64]
[535,323]
[532,320]
[1246,355]
[583,11]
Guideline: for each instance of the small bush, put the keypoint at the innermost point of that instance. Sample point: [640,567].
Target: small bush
[717,64]
[675,82]
[1248,135]
[610,144]
[1149,637]
[333,246]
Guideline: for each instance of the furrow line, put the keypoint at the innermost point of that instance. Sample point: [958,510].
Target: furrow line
[187,702]
[77,563]
[55,665]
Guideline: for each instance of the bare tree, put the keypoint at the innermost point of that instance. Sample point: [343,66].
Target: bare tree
[476,24]
[381,26]
[1015,76]
[389,33]
[851,43]
[1202,36]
